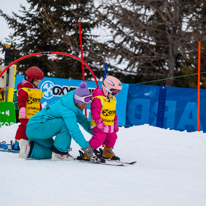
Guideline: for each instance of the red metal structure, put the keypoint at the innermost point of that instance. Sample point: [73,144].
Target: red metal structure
[80,38]
[198,87]
[48,53]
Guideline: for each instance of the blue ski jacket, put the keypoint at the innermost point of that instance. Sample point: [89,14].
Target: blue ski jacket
[67,110]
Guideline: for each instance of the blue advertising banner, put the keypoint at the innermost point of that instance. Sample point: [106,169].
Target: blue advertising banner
[54,88]
[181,109]
[142,105]
[165,107]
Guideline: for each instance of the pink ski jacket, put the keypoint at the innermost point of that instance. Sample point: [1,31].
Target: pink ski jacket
[96,106]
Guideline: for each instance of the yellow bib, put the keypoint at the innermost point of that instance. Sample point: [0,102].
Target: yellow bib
[33,101]
[108,110]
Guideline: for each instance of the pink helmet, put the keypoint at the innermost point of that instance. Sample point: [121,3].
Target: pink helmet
[110,83]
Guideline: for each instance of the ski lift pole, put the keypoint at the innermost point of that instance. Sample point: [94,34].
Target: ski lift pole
[105,71]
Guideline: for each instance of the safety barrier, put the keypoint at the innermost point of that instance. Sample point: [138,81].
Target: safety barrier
[165,107]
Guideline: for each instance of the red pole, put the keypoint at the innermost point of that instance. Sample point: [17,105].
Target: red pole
[80,38]
[198,93]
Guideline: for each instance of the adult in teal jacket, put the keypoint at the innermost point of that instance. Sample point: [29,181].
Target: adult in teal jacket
[58,119]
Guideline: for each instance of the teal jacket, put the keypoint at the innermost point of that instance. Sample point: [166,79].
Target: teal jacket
[66,109]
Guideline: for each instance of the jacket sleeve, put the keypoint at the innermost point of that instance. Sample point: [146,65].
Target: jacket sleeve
[22,98]
[96,108]
[85,123]
[115,118]
[70,120]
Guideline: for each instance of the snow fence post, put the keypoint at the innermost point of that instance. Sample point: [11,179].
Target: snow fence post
[161,107]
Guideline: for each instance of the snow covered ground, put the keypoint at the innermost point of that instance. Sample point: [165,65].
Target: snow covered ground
[170,171]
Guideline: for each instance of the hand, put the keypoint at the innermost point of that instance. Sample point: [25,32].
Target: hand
[89,151]
[101,126]
[22,113]
[116,126]
[93,154]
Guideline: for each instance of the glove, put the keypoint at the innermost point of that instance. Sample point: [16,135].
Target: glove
[116,126]
[23,113]
[90,152]
[101,126]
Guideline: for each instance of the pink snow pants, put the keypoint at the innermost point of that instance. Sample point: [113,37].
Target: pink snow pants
[100,137]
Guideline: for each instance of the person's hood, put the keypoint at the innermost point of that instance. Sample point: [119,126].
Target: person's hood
[97,92]
[27,84]
[68,101]
[24,81]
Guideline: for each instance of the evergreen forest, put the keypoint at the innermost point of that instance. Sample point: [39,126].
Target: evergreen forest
[143,41]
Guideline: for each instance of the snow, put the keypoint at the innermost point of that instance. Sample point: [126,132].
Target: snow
[170,171]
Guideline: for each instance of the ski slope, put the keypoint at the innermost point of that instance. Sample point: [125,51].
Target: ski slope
[170,171]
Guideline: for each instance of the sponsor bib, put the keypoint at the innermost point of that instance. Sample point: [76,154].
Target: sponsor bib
[33,102]
[108,110]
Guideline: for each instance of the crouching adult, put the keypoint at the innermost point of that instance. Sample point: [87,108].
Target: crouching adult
[59,119]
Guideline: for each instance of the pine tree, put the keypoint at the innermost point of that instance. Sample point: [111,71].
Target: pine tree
[34,33]
[197,24]
[150,37]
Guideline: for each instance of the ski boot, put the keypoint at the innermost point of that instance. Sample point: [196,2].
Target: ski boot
[58,155]
[61,157]
[96,156]
[25,146]
[15,145]
[86,157]
[107,153]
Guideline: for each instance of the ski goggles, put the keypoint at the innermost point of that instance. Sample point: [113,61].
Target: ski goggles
[85,99]
[112,92]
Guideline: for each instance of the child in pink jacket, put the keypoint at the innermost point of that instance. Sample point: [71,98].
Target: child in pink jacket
[104,120]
